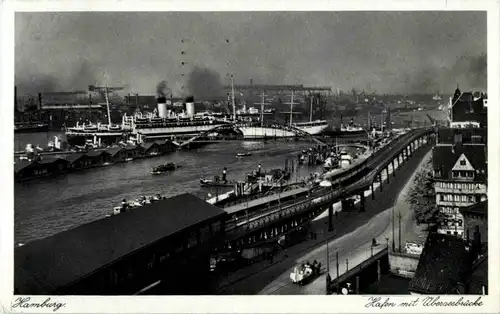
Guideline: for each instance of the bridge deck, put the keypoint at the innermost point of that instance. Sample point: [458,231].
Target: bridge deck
[263,200]
[362,263]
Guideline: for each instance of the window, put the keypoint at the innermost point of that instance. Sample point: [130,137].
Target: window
[204,234]
[448,232]
[164,257]
[216,227]
[462,162]
[151,261]
[192,240]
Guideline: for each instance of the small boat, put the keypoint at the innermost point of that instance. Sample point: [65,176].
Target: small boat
[305,272]
[243,154]
[161,169]
[207,183]
[128,159]
[143,200]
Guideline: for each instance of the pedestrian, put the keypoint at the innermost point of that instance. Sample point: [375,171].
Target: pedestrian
[224,174]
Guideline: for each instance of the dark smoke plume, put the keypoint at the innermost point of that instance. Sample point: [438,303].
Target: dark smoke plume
[83,76]
[162,89]
[205,84]
[478,70]
[469,70]
[40,83]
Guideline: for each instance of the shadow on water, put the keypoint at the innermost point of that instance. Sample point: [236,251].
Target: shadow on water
[47,206]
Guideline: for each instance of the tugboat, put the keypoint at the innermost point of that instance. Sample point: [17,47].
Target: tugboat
[161,169]
[305,273]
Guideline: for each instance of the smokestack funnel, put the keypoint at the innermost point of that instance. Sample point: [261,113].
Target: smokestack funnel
[190,106]
[39,100]
[162,106]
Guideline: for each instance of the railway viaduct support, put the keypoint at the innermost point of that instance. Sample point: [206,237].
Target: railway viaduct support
[269,224]
[382,175]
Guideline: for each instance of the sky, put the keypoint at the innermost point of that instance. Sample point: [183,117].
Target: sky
[383,52]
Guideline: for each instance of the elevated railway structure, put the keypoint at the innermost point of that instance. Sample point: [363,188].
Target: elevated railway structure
[249,226]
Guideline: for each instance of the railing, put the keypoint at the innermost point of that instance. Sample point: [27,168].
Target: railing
[268,193]
[321,196]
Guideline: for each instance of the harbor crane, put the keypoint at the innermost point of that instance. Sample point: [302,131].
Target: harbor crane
[105,90]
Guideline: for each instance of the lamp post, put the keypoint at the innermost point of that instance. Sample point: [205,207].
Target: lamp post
[393,243]
[328,277]
[399,216]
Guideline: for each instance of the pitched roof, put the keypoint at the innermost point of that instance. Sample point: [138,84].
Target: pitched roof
[468,135]
[47,264]
[148,145]
[75,157]
[445,157]
[95,153]
[114,150]
[468,109]
[476,209]
[443,266]
[131,147]
[479,276]
[22,164]
[51,160]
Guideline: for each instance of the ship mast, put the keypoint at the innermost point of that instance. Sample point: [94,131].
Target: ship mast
[382,121]
[291,107]
[232,98]
[262,104]
[311,113]
[107,104]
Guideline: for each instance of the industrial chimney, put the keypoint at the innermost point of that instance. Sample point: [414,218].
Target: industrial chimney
[190,106]
[162,106]
[39,101]
[15,99]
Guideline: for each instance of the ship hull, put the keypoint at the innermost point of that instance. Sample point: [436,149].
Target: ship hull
[107,138]
[313,130]
[257,132]
[346,133]
[33,129]
[180,131]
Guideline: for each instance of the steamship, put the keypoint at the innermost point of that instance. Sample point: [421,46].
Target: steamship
[256,130]
[167,124]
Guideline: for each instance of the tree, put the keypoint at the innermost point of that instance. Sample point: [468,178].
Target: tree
[422,197]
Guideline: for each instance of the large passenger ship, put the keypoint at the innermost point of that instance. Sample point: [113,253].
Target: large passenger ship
[166,124]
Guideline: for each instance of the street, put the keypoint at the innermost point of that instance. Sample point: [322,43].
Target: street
[353,245]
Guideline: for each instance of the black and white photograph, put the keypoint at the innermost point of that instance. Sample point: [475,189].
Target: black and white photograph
[238,153]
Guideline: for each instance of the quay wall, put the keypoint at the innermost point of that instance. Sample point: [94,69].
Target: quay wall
[403,264]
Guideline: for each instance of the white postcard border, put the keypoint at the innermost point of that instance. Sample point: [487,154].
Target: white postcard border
[240,304]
